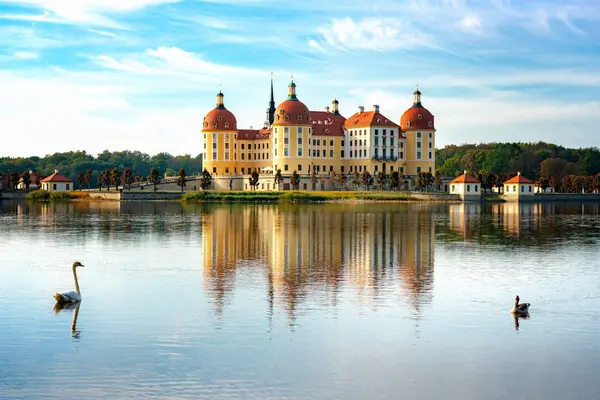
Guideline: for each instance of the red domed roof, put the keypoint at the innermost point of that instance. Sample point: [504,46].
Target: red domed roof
[220,118]
[417,117]
[292,112]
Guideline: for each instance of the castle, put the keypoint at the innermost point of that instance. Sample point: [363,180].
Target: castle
[294,138]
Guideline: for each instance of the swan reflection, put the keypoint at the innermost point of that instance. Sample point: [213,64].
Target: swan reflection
[60,307]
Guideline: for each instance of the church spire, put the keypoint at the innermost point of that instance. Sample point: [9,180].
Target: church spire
[271,111]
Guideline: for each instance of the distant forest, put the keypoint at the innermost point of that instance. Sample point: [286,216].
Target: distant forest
[533,160]
[70,164]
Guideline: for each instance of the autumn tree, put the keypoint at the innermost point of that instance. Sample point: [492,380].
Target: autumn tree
[106,178]
[253,180]
[115,177]
[438,181]
[394,180]
[88,178]
[331,180]
[381,179]
[205,180]
[127,178]
[154,178]
[295,180]
[367,179]
[81,180]
[355,179]
[314,179]
[26,179]
[181,178]
[278,178]
[342,180]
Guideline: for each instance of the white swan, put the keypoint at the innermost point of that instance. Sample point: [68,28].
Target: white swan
[519,308]
[70,297]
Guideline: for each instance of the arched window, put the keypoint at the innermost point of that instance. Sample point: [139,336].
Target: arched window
[287,117]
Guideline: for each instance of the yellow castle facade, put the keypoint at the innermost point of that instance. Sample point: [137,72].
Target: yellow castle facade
[294,138]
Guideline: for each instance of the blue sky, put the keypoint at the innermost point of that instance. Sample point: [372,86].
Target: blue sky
[141,74]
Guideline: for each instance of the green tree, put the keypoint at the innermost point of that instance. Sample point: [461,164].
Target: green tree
[253,180]
[154,178]
[295,180]
[26,179]
[278,178]
[181,178]
[206,179]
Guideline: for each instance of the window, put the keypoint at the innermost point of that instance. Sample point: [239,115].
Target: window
[299,140]
[214,156]
[243,156]
[401,145]
[529,188]
[285,140]
[243,171]
[522,188]
[342,169]
[420,116]
[376,168]
[376,132]
[391,141]
[331,153]
[285,152]
[342,155]
[214,170]
[275,140]
[330,168]
[300,130]
[418,135]
[205,145]
[285,167]
[376,152]
[299,151]
[226,170]
[430,124]
[299,167]
[418,155]
[214,145]
[226,145]
[468,188]
[204,156]
[68,186]
[430,135]
[476,186]
[376,141]
[227,155]
[418,169]
[429,169]
[384,153]
[453,188]
[384,132]
[430,155]
[385,141]
[418,145]
[408,123]
[254,146]
[299,117]
[342,143]
[331,142]
[286,130]
[401,154]
[287,118]
[249,156]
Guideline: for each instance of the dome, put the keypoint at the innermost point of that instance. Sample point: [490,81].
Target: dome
[292,111]
[417,117]
[219,118]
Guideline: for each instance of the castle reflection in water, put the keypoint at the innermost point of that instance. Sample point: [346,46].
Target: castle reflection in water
[312,251]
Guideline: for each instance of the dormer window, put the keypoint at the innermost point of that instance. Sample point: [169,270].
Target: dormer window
[420,116]
[407,123]
[299,117]
[220,118]
[281,112]
[205,124]
[278,118]
[215,124]
[287,117]
[378,121]
[226,125]
[430,124]
[386,121]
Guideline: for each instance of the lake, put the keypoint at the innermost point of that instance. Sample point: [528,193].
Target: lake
[335,301]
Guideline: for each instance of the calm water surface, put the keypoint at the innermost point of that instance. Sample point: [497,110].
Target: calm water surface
[300,302]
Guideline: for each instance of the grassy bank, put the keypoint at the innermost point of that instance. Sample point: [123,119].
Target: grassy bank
[43,195]
[292,196]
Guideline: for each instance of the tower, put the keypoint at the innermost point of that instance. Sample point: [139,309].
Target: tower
[271,109]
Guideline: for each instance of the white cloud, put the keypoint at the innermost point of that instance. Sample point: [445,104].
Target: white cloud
[93,12]
[25,55]
[471,23]
[372,34]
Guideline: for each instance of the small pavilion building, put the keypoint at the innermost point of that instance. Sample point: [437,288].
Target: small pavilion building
[466,186]
[57,183]
[518,188]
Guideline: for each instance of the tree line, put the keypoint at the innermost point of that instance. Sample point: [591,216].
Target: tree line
[98,170]
[550,165]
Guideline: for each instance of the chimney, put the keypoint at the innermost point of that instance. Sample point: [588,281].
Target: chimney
[327,109]
[519,173]
[56,171]
[465,171]
[361,109]
[376,108]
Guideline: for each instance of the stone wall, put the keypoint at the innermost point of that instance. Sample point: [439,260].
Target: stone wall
[435,196]
[13,195]
[578,197]
[135,196]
